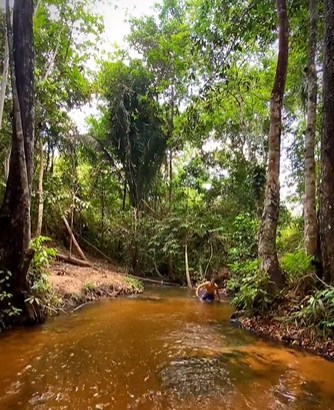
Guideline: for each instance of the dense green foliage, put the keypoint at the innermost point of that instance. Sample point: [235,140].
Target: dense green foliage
[317,313]
[42,293]
[8,309]
[250,287]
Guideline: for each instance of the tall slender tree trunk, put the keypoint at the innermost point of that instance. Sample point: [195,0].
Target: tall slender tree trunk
[6,162]
[4,79]
[327,149]
[267,238]
[170,133]
[124,196]
[3,90]
[71,223]
[170,200]
[187,266]
[24,73]
[15,229]
[310,216]
[40,193]
[170,169]
[102,209]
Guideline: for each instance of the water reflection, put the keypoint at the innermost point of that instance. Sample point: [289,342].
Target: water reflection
[162,350]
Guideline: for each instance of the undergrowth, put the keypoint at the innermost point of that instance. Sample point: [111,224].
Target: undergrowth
[313,303]
[42,293]
[135,284]
[89,287]
[249,287]
[317,313]
[7,309]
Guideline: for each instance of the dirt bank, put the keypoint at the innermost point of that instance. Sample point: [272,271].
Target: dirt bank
[74,285]
[275,329]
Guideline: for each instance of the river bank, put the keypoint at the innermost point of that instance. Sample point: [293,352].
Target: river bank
[278,329]
[76,285]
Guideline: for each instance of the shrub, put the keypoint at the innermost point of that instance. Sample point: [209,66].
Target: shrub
[250,287]
[43,254]
[317,312]
[42,293]
[135,284]
[296,265]
[89,287]
[7,309]
[290,238]
[244,237]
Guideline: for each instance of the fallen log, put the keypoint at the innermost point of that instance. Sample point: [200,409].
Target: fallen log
[158,282]
[73,261]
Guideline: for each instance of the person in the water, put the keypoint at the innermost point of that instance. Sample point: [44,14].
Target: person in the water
[210,289]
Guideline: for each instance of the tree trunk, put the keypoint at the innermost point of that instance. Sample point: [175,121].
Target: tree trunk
[72,260]
[40,191]
[102,210]
[170,187]
[135,256]
[15,229]
[4,79]
[267,238]
[70,227]
[170,134]
[327,149]
[187,266]
[6,162]
[124,196]
[24,62]
[4,82]
[310,216]
[170,266]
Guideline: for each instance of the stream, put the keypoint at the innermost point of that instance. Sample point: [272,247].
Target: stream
[159,350]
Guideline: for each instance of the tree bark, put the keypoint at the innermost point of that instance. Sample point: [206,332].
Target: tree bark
[310,216]
[40,191]
[6,162]
[4,82]
[267,238]
[170,134]
[24,70]
[124,196]
[73,261]
[187,266]
[102,209]
[15,229]
[327,149]
[4,79]
[170,187]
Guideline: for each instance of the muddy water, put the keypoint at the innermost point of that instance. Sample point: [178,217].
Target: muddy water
[161,350]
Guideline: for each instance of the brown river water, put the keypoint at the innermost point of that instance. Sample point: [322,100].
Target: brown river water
[159,350]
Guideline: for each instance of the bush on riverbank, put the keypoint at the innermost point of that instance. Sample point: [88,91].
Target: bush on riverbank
[249,287]
[305,305]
